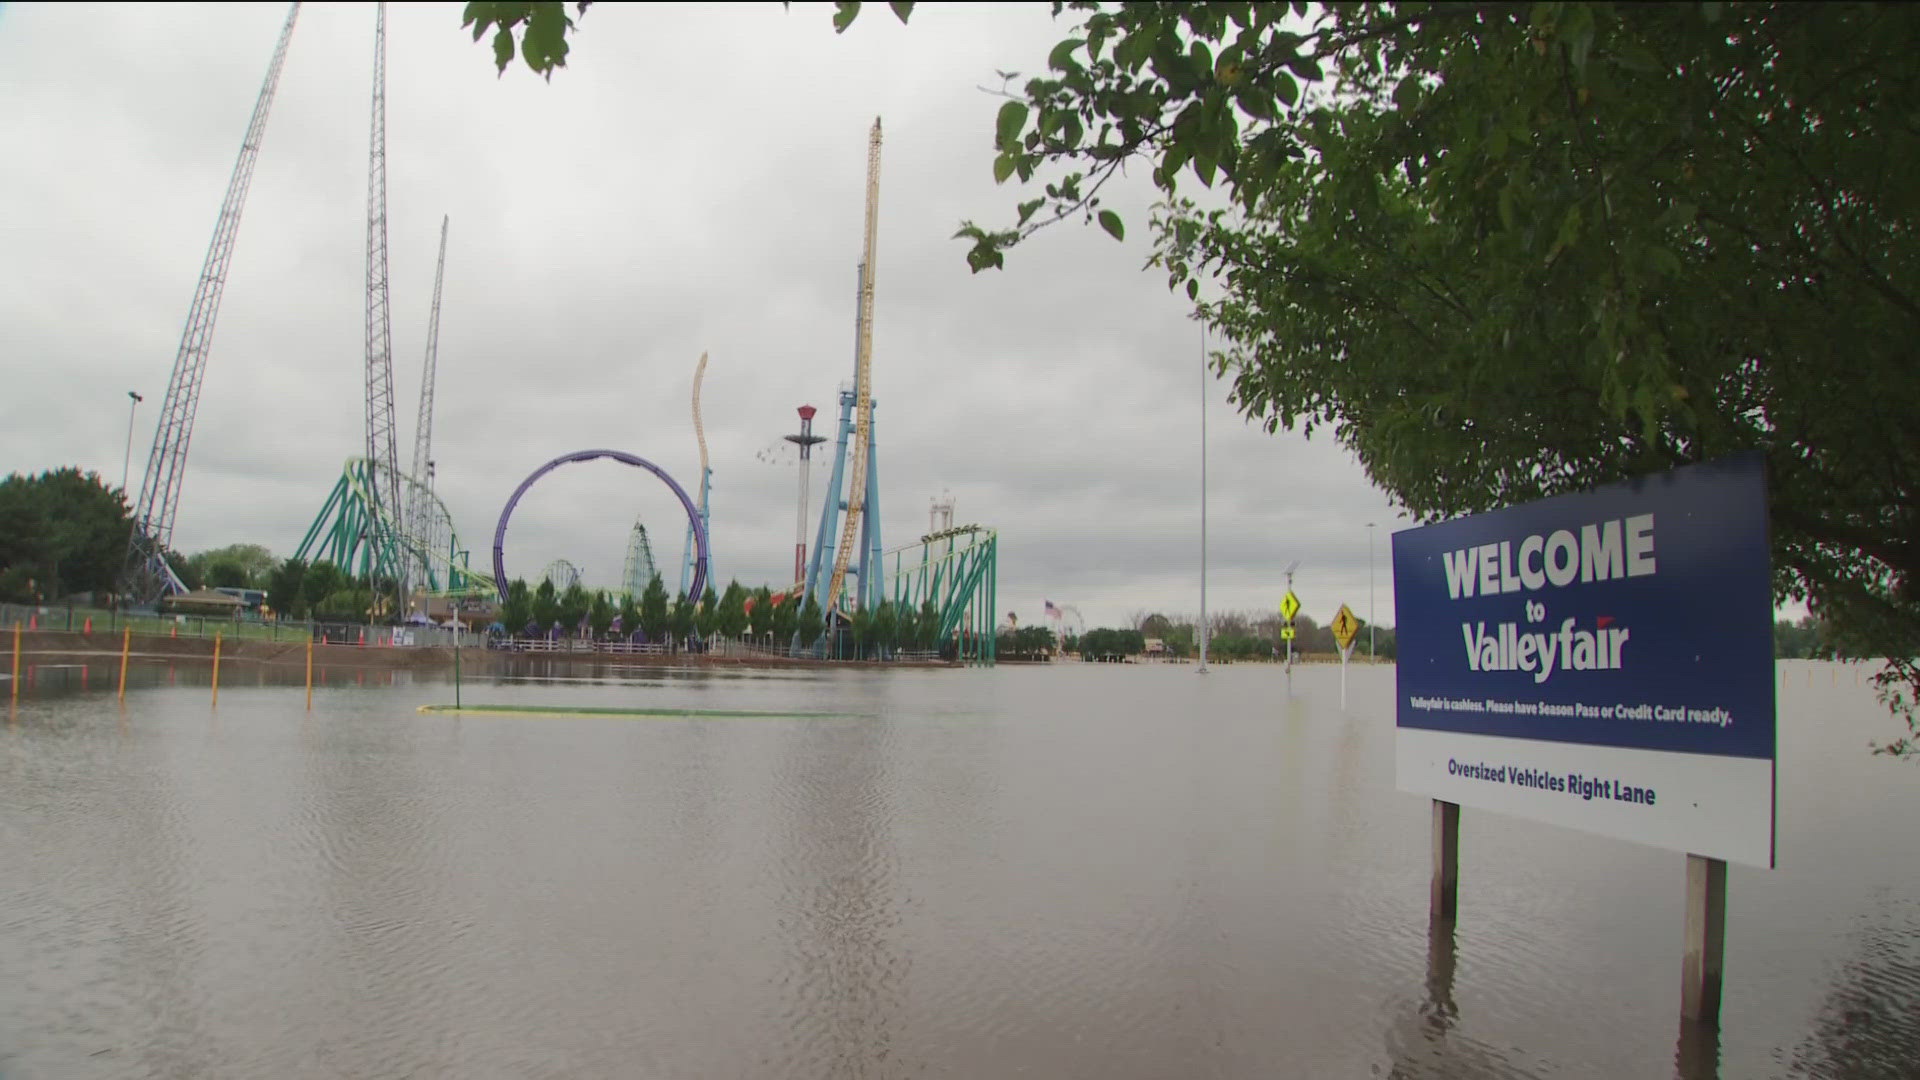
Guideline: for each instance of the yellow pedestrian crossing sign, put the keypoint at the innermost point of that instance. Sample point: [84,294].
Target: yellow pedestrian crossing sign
[1345,626]
[1289,606]
[1286,632]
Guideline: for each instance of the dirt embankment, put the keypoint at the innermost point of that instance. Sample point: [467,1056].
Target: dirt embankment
[48,645]
[59,646]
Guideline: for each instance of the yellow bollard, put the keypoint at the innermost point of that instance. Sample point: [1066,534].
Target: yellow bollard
[216,667]
[309,672]
[13,684]
[126,646]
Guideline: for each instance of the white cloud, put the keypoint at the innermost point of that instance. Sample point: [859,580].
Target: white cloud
[692,181]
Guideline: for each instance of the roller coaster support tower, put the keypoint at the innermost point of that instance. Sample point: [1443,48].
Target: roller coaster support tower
[866,585]
[958,572]
[357,533]
[862,512]
[147,577]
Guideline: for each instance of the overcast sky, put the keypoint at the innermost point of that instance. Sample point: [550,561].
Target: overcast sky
[691,182]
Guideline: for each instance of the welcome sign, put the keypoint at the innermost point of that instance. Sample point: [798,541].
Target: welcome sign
[1601,660]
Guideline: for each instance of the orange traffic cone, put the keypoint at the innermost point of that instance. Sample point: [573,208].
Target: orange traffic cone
[87,627]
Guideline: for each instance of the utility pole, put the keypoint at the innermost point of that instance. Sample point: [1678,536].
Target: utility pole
[1372,639]
[1203,499]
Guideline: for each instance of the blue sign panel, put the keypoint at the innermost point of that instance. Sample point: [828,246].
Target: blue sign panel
[1635,618]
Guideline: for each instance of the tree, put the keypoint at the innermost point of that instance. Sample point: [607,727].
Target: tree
[351,603]
[600,614]
[1106,642]
[812,622]
[1518,250]
[860,628]
[732,618]
[681,619]
[927,627]
[61,532]
[707,620]
[629,614]
[786,616]
[284,589]
[573,606]
[227,574]
[518,609]
[653,609]
[321,580]
[240,566]
[886,626]
[760,615]
[546,604]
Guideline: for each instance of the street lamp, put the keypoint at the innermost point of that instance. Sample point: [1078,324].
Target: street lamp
[1372,633]
[1202,670]
[126,466]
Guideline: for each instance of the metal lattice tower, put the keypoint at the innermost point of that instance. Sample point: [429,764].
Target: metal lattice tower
[639,569]
[381,439]
[147,575]
[419,505]
[862,383]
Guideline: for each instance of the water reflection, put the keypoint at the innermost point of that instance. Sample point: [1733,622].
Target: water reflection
[844,969]
[1869,1025]
[1424,1043]
[1061,873]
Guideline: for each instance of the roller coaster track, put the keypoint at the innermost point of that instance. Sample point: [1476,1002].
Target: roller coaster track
[862,383]
[699,436]
[358,532]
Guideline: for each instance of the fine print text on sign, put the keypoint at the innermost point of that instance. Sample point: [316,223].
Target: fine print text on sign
[1601,660]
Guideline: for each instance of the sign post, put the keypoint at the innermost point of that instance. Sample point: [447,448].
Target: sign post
[1289,607]
[1345,627]
[1603,661]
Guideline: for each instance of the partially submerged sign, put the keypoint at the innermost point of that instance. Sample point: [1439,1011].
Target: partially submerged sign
[1601,660]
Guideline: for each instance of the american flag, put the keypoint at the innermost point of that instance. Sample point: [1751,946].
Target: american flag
[1052,612]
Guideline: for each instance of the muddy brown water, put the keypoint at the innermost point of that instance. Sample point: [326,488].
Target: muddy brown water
[1084,871]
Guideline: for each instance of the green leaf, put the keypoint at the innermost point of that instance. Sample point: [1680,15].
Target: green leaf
[1193,289]
[503,49]
[901,9]
[1013,117]
[1110,221]
[1061,58]
[1003,167]
[845,11]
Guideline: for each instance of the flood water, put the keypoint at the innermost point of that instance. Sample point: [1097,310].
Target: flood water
[1084,871]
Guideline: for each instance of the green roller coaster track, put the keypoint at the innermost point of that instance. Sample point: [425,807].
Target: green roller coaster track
[959,572]
[358,534]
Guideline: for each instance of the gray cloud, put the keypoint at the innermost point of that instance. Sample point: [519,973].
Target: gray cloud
[693,181]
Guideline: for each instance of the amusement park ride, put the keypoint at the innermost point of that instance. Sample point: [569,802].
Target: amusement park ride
[380,522]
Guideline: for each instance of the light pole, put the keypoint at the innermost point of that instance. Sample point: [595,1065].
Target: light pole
[1203,499]
[1372,639]
[126,466]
